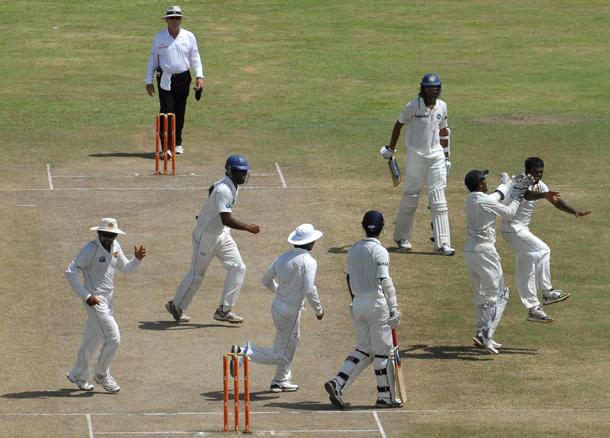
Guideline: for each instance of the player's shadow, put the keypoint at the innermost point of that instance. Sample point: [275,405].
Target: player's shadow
[146,155]
[260,396]
[59,393]
[173,325]
[453,352]
[399,251]
[339,249]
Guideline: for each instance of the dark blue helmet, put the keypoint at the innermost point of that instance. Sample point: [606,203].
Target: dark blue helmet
[430,80]
[237,162]
[373,223]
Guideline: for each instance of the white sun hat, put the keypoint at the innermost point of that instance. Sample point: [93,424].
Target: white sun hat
[304,234]
[173,11]
[108,225]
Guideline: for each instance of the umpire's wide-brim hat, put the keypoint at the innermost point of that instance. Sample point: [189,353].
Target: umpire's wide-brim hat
[173,11]
[304,234]
[108,225]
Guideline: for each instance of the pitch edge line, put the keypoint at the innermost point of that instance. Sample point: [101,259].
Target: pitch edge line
[342,412]
[277,166]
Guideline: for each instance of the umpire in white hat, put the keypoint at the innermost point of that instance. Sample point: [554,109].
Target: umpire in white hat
[295,272]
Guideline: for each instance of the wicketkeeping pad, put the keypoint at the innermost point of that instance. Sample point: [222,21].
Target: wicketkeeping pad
[394,171]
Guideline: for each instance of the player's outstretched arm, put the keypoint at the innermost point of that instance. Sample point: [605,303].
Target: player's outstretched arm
[564,206]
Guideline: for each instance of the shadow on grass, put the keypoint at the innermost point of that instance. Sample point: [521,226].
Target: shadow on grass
[457,352]
[59,393]
[344,249]
[173,325]
[148,155]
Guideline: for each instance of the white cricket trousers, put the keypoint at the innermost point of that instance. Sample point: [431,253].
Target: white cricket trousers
[432,171]
[486,275]
[533,264]
[287,322]
[101,329]
[373,333]
[206,246]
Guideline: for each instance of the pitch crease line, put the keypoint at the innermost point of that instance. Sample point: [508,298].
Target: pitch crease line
[90,424]
[49,175]
[379,425]
[277,166]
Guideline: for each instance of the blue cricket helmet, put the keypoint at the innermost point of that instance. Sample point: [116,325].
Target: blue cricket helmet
[237,162]
[373,222]
[430,80]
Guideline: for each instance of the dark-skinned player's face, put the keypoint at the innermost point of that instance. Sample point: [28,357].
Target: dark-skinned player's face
[240,176]
[536,172]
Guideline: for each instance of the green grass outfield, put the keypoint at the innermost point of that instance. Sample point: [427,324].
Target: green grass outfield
[316,86]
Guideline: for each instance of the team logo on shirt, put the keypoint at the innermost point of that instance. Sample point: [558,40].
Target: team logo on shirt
[228,205]
[438,116]
[102,259]
[116,255]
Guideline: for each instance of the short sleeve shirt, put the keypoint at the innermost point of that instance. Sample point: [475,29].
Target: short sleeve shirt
[367,262]
[526,208]
[221,200]
[423,125]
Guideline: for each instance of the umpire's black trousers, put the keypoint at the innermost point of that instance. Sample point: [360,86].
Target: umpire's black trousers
[174,101]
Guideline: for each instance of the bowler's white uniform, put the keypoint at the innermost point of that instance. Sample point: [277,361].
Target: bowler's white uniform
[212,239]
[97,266]
[482,259]
[367,263]
[295,271]
[425,163]
[533,256]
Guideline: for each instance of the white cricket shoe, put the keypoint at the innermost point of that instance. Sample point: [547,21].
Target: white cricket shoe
[383,402]
[335,397]
[478,342]
[554,296]
[283,386]
[82,384]
[176,312]
[229,316]
[445,250]
[537,314]
[404,244]
[107,382]
[179,150]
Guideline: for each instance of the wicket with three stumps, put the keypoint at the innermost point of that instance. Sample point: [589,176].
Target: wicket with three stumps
[225,368]
[166,135]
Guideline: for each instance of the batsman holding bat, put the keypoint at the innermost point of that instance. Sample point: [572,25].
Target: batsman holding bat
[427,139]
[375,315]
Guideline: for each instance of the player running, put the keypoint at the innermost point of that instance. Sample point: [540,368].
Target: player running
[212,238]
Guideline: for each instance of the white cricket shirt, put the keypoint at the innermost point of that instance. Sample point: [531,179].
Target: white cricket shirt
[367,262]
[423,124]
[526,208]
[174,55]
[97,266]
[221,200]
[481,212]
[296,274]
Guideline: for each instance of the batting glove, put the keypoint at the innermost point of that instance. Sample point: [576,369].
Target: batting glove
[387,153]
[447,165]
[394,319]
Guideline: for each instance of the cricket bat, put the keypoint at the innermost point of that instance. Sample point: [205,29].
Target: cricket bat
[394,171]
[400,382]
